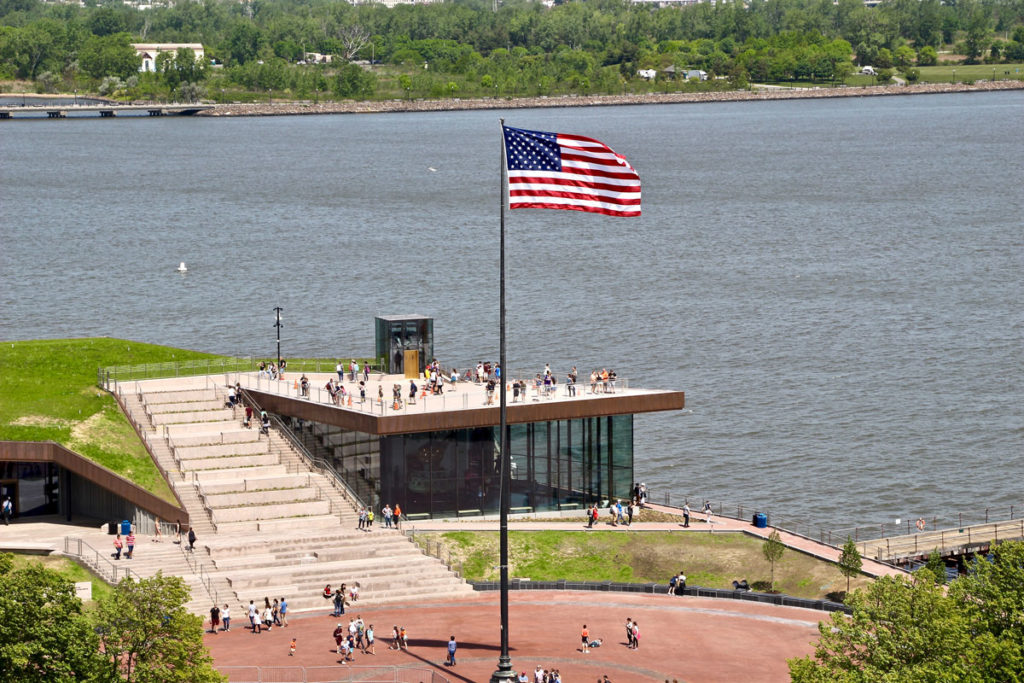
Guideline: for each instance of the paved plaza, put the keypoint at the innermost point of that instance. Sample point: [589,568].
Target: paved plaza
[681,638]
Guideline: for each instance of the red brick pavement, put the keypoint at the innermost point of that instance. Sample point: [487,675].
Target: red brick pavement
[681,638]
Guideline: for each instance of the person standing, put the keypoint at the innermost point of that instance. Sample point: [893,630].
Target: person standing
[387,516]
[369,641]
[403,639]
[191,539]
[585,639]
[252,615]
[451,651]
[8,510]
[590,517]
[157,534]
[629,513]
[629,633]
[214,619]
[636,636]
[707,510]
[686,515]
[118,544]
[291,649]
[339,636]
[340,369]
[339,603]
[284,612]
[130,542]
[225,617]
[398,515]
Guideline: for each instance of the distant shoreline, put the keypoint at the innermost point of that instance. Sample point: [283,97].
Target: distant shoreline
[294,108]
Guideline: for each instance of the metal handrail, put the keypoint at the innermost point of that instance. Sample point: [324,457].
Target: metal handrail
[199,569]
[92,558]
[311,461]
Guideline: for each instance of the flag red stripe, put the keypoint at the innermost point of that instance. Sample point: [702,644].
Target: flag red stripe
[575,195]
[573,183]
[573,207]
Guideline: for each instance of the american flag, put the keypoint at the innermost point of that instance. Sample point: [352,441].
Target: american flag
[571,172]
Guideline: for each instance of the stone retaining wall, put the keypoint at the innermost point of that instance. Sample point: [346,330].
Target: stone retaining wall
[285,108]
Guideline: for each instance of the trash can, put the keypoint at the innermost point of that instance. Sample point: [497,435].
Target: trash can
[112,528]
[761,520]
[126,527]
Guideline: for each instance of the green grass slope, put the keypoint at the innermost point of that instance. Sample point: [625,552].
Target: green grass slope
[48,392]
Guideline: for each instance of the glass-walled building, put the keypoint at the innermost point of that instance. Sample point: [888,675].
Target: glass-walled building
[558,464]
[555,465]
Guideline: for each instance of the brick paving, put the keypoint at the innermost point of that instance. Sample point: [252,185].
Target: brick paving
[681,638]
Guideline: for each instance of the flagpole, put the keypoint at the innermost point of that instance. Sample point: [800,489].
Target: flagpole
[504,671]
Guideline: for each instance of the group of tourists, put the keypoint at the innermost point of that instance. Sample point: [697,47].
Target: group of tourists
[271,371]
[353,371]
[540,675]
[260,620]
[357,636]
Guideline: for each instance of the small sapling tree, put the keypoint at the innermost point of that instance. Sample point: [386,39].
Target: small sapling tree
[773,549]
[849,561]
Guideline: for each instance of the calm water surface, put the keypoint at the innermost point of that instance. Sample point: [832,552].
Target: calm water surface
[836,284]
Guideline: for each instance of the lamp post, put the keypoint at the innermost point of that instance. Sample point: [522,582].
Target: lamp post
[954,75]
[277,310]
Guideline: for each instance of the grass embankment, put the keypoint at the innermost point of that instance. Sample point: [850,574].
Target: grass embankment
[70,570]
[966,73]
[48,392]
[709,560]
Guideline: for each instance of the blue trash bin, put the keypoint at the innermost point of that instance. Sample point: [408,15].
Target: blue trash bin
[761,520]
[126,527]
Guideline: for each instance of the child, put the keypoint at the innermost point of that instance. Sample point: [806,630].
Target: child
[291,649]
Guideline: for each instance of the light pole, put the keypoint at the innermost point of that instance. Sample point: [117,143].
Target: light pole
[277,310]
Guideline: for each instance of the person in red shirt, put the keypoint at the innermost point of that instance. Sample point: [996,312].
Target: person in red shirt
[585,637]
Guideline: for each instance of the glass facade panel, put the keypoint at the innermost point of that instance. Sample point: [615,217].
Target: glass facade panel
[555,465]
[34,487]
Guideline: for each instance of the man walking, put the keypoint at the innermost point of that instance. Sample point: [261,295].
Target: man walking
[451,651]
[8,509]
[686,515]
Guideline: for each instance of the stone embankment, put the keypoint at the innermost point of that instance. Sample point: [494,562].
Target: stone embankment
[291,108]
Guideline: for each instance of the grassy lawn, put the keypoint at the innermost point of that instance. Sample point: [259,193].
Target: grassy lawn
[70,570]
[710,560]
[944,73]
[48,392]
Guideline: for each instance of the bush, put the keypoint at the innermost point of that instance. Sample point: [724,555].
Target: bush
[912,75]
[884,76]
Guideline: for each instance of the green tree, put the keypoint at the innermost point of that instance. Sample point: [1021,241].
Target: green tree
[903,56]
[773,549]
[353,81]
[849,561]
[927,56]
[991,596]
[109,56]
[978,34]
[149,637]
[900,630]
[44,636]
[936,566]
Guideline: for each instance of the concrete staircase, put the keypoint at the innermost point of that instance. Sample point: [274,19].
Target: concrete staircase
[266,523]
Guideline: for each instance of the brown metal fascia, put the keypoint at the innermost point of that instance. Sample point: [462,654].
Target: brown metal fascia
[468,419]
[48,451]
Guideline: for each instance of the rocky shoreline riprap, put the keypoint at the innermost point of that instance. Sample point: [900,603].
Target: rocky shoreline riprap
[291,108]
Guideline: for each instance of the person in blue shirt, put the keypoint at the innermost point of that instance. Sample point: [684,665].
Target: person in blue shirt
[451,651]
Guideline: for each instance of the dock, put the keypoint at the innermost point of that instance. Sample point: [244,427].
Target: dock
[953,542]
[102,110]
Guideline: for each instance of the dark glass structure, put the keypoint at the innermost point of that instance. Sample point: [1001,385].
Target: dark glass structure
[559,464]
[402,339]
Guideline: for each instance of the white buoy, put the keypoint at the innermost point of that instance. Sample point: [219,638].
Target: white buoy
[182,268]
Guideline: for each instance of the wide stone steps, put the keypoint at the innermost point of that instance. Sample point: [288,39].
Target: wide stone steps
[239,435]
[207,429]
[223,415]
[216,451]
[307,599]
[184,406]
[250,483]
[415,568]
[259,513]
[320,556]
[233,475]
[230,462]
[179,396]
[275,526]
[301,541]
[221,501]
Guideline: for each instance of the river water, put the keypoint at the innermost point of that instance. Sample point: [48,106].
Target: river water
[836,284]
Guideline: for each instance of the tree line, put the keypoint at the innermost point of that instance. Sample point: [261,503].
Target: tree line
[465,47]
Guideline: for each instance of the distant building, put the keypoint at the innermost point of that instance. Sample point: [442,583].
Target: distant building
[392,3]
[150,51]
[699,74]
